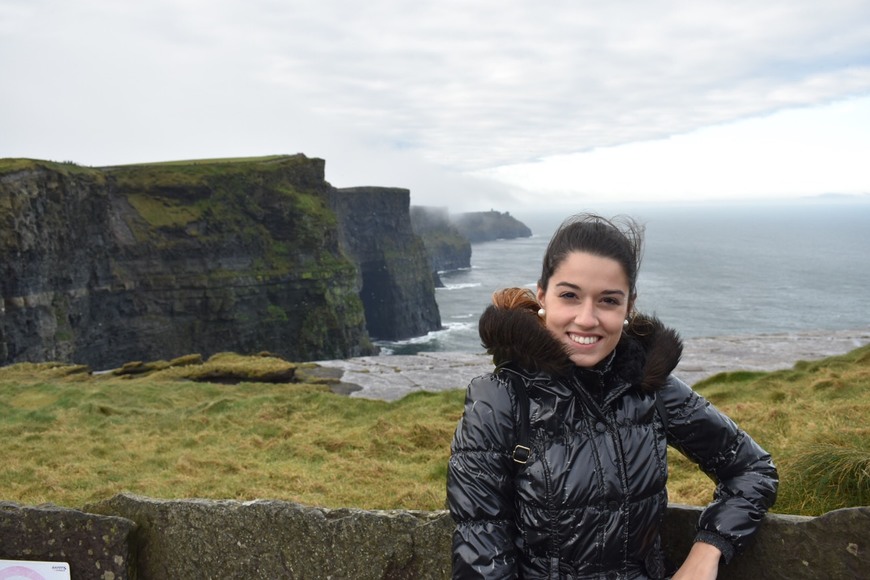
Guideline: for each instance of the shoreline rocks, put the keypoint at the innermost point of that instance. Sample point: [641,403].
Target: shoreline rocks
[391,377]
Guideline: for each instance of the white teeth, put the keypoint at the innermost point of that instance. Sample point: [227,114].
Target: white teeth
[584,339]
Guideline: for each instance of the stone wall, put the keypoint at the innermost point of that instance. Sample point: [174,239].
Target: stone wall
[95,546]
[140,538]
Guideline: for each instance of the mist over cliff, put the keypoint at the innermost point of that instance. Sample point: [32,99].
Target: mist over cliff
[448,237]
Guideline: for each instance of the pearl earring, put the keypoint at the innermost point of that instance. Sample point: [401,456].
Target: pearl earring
[625,322]
[542,313]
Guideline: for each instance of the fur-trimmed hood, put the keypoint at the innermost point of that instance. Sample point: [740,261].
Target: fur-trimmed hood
[645,355]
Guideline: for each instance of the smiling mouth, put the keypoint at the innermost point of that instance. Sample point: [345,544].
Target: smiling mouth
[583,339]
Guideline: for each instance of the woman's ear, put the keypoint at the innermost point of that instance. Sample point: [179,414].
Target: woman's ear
[540,294]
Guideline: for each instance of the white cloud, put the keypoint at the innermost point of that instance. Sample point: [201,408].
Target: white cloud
[794,153]
[411,94]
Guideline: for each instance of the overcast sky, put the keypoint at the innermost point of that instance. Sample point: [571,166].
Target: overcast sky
[468,104]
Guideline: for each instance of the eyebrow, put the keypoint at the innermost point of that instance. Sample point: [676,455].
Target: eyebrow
[576,287]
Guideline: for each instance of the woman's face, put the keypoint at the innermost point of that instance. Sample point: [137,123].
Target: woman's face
[586,303]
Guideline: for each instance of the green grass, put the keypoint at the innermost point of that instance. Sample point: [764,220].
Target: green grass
[161,429]
[215,161]
[12,164]
[70,438]
[814,420]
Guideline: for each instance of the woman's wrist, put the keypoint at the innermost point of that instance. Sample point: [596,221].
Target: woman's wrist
[707,550]
[714,539]
[702,563]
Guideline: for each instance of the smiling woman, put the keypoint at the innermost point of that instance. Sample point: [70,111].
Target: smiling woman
[589,381]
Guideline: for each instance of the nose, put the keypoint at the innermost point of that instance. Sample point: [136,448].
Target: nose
[586,315]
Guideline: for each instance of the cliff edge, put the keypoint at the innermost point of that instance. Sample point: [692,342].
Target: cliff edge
[102,266]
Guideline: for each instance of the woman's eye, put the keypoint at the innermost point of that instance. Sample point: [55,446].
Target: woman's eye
[567,295]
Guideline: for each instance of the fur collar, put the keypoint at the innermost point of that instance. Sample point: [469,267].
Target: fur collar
[646,354]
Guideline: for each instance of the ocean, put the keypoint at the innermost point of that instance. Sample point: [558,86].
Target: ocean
[709,270]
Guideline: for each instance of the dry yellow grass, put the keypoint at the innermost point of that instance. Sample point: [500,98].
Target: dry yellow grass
[71,437]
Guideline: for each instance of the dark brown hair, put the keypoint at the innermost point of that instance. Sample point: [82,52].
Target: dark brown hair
[620,239]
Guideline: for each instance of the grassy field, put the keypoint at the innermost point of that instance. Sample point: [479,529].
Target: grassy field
[221,429]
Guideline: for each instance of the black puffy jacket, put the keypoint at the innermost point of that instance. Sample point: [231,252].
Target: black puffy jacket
[589,502]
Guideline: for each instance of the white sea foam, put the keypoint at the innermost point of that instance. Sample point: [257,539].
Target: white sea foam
[461,286]
[456,270]
[436,340]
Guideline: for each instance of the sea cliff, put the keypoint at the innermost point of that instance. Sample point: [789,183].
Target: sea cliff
[398,289]
[484,226]
[102,266]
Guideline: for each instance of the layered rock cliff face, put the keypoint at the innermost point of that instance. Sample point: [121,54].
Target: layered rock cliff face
[398,289]
[104,266]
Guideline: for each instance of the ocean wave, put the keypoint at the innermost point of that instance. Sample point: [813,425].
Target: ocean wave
[460,286]
[414,344]
[466,269]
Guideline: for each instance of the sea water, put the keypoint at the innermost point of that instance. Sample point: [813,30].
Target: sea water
[707,270]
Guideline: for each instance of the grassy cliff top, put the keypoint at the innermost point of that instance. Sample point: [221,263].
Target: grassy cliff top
[215,161]
[230,197]
[159,430]
[14,165]
[11,165]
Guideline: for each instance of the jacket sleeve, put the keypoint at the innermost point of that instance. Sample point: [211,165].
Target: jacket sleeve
[746,478]
[480,492]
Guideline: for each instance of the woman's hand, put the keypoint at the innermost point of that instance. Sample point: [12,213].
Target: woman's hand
[702,563]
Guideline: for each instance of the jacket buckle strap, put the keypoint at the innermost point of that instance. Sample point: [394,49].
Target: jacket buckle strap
[521,454]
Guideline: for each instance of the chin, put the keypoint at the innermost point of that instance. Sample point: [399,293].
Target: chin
[586,361]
